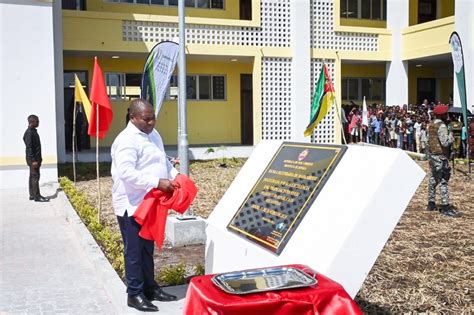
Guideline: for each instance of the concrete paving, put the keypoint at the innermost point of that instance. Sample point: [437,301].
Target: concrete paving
[50,264]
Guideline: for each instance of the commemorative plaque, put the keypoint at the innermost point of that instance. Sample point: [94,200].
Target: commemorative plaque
[279,200]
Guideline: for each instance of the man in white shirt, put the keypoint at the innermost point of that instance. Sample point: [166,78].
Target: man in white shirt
[139,164]
[417,127]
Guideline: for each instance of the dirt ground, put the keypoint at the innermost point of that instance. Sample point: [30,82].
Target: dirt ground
[425,267]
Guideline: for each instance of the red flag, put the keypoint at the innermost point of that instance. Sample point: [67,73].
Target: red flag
[99,97]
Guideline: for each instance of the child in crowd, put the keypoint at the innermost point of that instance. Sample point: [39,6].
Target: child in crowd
[423,138]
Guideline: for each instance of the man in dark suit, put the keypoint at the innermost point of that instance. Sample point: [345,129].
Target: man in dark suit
[33,158]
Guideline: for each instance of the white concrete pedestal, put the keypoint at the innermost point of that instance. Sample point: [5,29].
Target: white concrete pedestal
[185,232]
[344,229]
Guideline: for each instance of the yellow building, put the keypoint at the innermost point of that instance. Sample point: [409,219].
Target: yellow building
[252,64]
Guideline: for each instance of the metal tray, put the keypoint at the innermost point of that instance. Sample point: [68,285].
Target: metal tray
[262,280]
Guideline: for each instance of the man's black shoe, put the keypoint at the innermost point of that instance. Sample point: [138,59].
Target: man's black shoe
[141,303]
[159,295]
[41,199]
[447,210]
[32,198]
[431,206]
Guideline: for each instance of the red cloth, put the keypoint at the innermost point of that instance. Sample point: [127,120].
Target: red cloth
[326,297]
[101,102]
[152,212]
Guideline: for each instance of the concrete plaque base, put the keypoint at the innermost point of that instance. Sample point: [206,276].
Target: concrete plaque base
[344,229]
[185,232]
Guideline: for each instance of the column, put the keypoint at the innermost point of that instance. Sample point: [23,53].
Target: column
[397,69]
[300,69]
[58,83]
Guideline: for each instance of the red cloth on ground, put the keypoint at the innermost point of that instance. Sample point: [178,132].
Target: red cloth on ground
[326,297]
[152,212]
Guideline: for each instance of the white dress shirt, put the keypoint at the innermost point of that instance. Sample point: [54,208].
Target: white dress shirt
[138,162]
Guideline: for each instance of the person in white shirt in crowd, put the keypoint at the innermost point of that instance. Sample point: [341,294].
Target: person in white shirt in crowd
[139,164]
[417,127]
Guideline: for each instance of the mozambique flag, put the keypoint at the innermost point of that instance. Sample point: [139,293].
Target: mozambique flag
[322,100]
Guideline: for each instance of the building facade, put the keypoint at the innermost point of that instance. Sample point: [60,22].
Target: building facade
[252,64]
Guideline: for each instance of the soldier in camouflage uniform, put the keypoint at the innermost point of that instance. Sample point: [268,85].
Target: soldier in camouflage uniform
[439,151]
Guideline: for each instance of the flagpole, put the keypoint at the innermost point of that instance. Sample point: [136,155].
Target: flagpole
[97,159]
[183,143]
[337,107]
[74,142]
[339,113]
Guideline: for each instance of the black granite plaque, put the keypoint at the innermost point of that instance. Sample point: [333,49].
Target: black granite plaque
[284,192]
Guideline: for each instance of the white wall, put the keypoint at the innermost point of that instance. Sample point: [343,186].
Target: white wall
[27,87]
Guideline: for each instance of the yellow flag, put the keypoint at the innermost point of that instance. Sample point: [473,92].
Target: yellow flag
[81,97]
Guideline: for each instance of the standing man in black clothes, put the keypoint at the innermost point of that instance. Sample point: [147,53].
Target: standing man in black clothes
[33,158]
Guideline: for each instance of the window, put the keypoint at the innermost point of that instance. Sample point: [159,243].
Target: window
[204,87]
[426,10]
[357,88]
[69,80]
[115,85]
[352,89]
[133,83]
[364,9]
[218,87]
[201,4]
[191,85]
[123,85]
[73,4]
[200,87]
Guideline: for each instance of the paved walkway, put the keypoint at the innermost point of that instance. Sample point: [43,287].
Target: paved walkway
[50,264]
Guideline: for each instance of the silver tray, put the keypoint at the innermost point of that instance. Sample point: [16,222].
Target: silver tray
[262,280]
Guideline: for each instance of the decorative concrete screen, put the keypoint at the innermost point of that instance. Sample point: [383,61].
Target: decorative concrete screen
[276,71]
[274,30]
[276,98]
[323,35]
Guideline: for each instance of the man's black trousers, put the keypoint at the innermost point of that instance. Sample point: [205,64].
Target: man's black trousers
[33,183]
[138,253]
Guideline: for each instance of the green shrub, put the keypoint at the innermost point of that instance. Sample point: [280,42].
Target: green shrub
[173,275]
[109,241]
[199,270]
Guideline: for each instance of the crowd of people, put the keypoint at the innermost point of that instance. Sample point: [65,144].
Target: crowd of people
[403,127]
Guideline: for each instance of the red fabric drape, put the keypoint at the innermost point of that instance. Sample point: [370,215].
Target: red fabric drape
[152,212]
[326,297]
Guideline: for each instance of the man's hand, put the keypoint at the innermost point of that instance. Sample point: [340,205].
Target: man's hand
[167,185]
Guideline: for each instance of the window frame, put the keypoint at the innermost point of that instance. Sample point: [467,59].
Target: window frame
[383,15]
[174,78]
[345,95]
[84,83]
[166,3]
[122,86]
